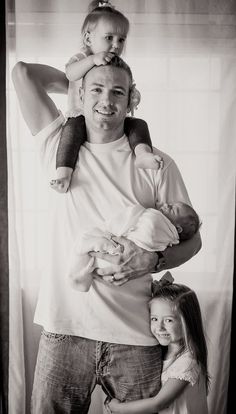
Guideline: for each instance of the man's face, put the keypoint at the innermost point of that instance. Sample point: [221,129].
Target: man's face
[105,96]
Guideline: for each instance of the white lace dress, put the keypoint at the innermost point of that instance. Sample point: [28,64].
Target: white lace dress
[193,399]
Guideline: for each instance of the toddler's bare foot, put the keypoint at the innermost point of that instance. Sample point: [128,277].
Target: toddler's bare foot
[61,185]
[149,160]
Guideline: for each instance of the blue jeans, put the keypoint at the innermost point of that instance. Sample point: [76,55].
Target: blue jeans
[69,367]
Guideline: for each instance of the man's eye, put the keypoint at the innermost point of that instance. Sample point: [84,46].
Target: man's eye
[153,319]
[118,93]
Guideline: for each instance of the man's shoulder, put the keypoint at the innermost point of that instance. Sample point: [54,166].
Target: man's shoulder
[166,158]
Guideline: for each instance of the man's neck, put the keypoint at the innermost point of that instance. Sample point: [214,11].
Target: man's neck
[102,136]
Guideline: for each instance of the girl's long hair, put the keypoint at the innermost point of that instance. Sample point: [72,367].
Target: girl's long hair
[106,12]
[185,303]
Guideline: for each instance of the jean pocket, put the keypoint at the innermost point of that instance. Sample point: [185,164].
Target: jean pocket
[54,337]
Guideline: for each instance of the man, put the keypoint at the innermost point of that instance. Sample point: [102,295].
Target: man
[102,336]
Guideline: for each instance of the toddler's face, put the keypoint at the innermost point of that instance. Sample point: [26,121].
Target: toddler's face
[165,323]
[107,37]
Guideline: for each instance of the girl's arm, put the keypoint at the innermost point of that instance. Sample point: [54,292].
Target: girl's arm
[168,393]
[77,69]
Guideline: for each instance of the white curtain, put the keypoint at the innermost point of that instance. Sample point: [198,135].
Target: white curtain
[182,53]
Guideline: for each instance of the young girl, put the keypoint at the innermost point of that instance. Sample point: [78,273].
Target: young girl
[104,33]
[176,322]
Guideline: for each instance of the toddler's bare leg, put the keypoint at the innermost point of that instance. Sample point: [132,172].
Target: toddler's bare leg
[62,182]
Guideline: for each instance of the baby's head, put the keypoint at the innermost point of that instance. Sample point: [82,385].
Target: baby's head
[104,29]
[183,217]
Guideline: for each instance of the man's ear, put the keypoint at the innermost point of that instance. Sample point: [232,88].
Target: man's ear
[179,228]
[81,95]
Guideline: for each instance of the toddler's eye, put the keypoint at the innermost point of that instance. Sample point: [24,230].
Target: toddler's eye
[96,90]
[121,40]
[109,37]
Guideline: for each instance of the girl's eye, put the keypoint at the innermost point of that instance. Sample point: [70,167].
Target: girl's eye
[121,40]
[168,320]
[109,37]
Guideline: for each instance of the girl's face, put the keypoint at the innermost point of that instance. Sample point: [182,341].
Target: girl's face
[106,37]
[165,323]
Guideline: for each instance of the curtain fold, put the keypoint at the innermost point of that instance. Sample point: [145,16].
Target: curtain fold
[182,54]
[4,264]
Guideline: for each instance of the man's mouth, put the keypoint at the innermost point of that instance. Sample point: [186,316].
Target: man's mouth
[104,113]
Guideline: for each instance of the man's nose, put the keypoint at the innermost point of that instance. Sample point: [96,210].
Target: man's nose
[106,98]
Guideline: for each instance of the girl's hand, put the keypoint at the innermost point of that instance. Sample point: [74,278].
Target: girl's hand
[102,58]
[114,406]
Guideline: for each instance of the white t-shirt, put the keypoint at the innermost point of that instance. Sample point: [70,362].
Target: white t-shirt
[193,399]
[105,180]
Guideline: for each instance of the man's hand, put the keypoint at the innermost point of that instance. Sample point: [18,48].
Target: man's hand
[102,58]
[113,406]
[131,263]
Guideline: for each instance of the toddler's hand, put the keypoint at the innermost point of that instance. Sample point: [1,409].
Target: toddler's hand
[102,58]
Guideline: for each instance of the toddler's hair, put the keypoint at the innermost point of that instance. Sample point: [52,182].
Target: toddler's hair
[190,224]
[107,13]
[185,303]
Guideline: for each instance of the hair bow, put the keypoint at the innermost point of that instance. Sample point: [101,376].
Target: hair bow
[167,279]
[105,4]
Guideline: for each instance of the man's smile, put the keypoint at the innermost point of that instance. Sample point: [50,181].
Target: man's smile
[104,112]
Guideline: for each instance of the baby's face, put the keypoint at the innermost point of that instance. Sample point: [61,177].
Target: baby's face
[174,211]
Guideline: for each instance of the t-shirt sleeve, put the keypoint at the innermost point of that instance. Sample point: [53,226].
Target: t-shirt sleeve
[185,368]
[46,143]
[170,186]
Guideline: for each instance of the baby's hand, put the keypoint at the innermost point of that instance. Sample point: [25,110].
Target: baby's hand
[102,58]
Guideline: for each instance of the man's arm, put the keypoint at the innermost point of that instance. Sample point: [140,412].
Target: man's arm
[32,83]
[179,254]
[136,262]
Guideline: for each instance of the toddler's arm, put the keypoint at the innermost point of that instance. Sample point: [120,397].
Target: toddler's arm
[77,68]
[168,393]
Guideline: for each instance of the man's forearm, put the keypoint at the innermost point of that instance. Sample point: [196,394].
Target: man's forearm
[177,255]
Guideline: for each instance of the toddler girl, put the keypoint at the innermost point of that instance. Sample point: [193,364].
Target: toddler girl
[148,228]
[176,322]
[104,33]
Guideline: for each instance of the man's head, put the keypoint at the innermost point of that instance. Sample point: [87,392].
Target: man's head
[105,95]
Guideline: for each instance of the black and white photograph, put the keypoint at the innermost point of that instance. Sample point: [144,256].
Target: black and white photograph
[117,192]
